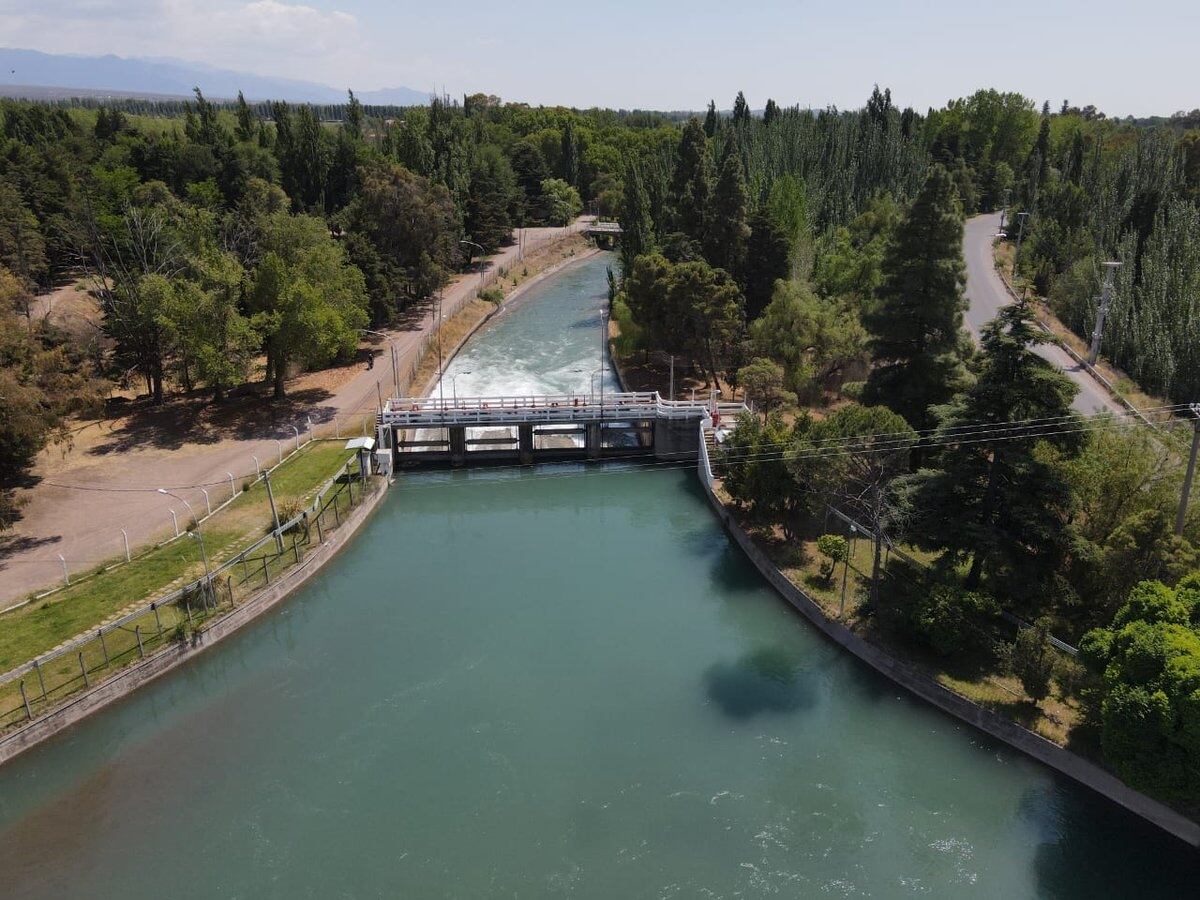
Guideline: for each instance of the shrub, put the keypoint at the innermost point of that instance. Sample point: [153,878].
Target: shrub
[852,390]
[951,621]
[1031,659]
[834,549]
[492,295]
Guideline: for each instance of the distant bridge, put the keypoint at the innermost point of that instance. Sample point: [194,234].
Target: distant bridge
[481,430]
[597,228]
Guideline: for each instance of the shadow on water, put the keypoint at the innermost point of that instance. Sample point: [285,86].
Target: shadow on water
[1092,848]
[767,680]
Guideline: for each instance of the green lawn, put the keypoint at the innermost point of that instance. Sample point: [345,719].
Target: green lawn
[46,623]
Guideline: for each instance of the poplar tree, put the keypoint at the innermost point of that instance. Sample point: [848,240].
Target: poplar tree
[771,112]
[916,324]
[691,183]
[245,119]
[637,228]
[710,119]
[728,220]
[741,109]
[569,153]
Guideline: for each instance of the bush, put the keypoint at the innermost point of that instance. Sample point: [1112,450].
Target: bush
[835,549]
[1031,659]
[492,295]
[1148,704]
[853,390]
[952,621]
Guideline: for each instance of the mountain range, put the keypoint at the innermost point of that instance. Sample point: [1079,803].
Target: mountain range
[30,73]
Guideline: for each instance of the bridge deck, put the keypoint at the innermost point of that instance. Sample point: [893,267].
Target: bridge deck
[432,412]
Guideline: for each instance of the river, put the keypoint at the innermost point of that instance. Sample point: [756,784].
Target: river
[563,682]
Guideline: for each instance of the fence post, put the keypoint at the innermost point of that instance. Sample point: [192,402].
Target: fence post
[157,619]
[137,631]
[266,574]
[25,700]
[41,681]
[320,536]
[103,645]
[229,587]
[336,518]
[188,607]
[83,669]
[295,549]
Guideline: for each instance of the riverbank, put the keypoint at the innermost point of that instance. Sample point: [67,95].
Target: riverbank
[917,682]
[462,325]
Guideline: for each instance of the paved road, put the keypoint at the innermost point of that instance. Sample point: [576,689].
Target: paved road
[85,525]
[987,294]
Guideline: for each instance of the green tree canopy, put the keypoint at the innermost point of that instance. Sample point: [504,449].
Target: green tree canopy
[917,323]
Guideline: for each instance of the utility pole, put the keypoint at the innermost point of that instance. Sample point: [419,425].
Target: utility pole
[441,387]
[1102,311]
[1185,494]
[672,395]
[274,512]
[1020,235]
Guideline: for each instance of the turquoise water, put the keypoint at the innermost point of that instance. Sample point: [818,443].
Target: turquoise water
[549,684]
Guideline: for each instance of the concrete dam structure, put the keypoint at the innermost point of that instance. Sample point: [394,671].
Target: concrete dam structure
[428,431]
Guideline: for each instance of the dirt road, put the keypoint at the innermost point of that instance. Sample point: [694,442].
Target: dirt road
[108,480]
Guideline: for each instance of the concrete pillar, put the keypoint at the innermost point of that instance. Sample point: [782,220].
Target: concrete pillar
[593,440]
[525,443]
[676,439]
[458,445]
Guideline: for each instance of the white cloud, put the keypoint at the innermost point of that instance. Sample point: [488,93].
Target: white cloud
[267,37]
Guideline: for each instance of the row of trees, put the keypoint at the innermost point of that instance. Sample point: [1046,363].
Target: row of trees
[1095,191]
[976,457]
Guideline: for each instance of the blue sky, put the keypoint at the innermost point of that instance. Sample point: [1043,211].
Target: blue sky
[1137,58]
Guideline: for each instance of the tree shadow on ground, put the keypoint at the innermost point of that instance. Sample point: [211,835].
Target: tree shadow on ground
[13,544]
[196,419]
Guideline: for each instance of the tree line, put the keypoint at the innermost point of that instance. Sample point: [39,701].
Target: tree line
[226,240]
[829,288]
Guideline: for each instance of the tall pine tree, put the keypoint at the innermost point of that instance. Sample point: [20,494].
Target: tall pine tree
[916,324]
[996,496]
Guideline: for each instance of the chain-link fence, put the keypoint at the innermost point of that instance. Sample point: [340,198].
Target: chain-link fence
[36,687]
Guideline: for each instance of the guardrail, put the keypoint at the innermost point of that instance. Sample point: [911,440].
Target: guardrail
[427,412]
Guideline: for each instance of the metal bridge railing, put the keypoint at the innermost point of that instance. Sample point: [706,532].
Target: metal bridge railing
[424,412]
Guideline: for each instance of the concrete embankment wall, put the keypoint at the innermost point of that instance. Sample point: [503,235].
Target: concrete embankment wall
[1056,757]
[168,658]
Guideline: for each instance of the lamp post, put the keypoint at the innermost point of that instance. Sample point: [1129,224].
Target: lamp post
[392,351]
[846,570]
[198,533]
[454,385]
[1023,216]
[482,253]
[1102,311]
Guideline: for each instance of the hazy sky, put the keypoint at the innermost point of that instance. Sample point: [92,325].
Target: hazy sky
[1125,57]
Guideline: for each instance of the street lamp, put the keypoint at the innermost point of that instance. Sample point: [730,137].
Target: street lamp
[1020,235]
[846,570]
[199,535]
[482,253]
[454,384]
